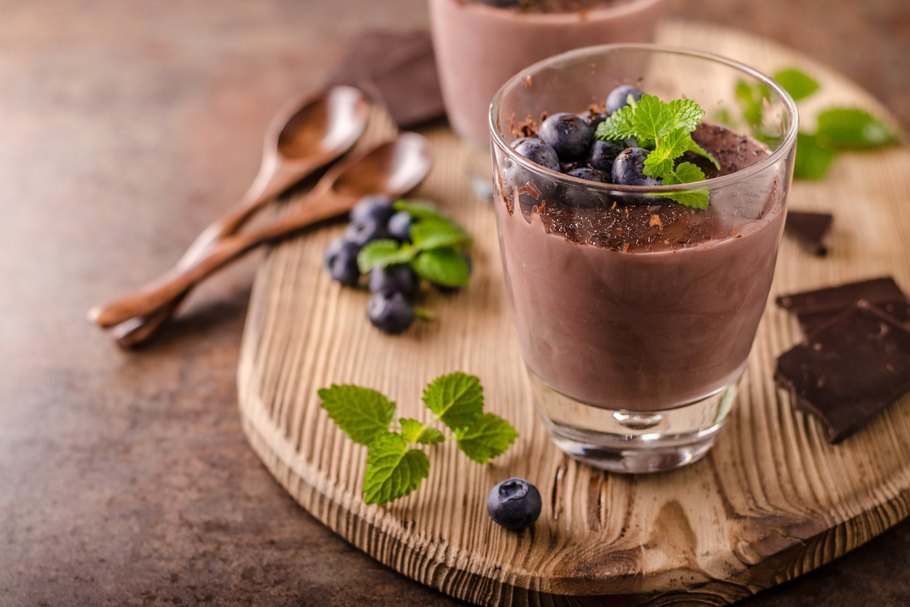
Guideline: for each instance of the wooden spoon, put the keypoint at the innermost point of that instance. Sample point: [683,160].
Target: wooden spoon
[392,168]
[303,136]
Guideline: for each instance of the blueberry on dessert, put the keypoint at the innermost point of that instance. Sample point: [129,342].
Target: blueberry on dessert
[619,97]
[568,134]
[629,166]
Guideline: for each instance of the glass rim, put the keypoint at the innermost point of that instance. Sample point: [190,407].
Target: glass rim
[783,148]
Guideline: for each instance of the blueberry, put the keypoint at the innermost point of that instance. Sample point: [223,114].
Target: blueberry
[580,197]
[628,168]
[590,174]
[593,118]
[397,279]
[341,261]
[376,208]
[514,503]
[364,232]
[603,153]
[390,312]
[532,188]
[538,152]
[619,97]
[568,134]
[399,226]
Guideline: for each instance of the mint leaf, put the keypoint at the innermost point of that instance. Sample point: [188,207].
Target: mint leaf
[652,118]
[694,199]
[687,114]
[488,437]
[852,128]
[697,149]
[393,470]
[416,432]
[361,413]
[445,266]
[812,159]
[687,172]
[659,162]
[751,100]
[456,399]
[618,125]
[419,210]
[798,83]
[434,233]
[383,253]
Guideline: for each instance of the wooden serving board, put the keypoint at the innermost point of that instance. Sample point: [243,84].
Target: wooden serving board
[773,499]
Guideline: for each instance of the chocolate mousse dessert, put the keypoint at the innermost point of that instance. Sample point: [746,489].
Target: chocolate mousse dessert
[626,300]
[480,44]
[550,6]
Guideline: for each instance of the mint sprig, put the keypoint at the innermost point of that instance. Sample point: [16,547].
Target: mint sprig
[396,460]
[435,250]
[665,129]
[839,128]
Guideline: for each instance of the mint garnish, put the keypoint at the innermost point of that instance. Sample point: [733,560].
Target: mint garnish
[839,128]
[393,470]
[396,462]
[796,82]
[363,423]
[435,252]
[812,159]
[846,128]
[665,129]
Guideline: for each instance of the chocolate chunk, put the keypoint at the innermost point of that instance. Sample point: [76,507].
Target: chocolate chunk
[396,69]
[811,321]
[811,230]
[833,299]
[814,309]
[897,310]
[849,370]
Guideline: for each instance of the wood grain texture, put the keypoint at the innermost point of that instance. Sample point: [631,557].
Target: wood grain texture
[772,501]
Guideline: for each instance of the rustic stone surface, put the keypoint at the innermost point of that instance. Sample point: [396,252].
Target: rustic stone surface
[126,126]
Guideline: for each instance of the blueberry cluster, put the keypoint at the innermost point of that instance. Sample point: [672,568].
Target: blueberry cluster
[394,287]
[566,143]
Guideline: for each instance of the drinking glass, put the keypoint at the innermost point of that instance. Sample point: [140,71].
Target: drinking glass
[635,314]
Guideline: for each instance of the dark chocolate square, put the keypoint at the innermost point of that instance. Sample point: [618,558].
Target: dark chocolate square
[834,299]
[810,321]
[396,69]
[811,230]
[849,370]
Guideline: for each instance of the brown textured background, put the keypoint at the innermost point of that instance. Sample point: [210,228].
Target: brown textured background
[124,128]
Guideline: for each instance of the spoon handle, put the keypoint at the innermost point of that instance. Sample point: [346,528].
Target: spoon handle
[175,283]
[273,178]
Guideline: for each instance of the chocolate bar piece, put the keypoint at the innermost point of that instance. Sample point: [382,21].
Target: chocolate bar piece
[843,296]
[811,230]
[810,321]
[398,70]
[849,370]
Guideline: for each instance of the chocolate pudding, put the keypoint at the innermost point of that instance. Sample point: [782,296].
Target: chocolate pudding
[478,47]
[636,305]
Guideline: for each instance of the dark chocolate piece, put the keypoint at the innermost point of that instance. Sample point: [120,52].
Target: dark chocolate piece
[834,299]
[811,230]
[398,70]
[810,321]
[849,370]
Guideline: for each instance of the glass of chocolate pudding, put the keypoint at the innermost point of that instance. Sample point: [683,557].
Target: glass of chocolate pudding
[636,314]
[479,44]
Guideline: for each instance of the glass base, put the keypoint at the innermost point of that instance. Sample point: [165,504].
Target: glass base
[633,442]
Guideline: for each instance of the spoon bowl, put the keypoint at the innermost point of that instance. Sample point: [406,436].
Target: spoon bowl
[321,125]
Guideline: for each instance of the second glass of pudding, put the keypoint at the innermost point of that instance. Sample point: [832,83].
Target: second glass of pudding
[635,314]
